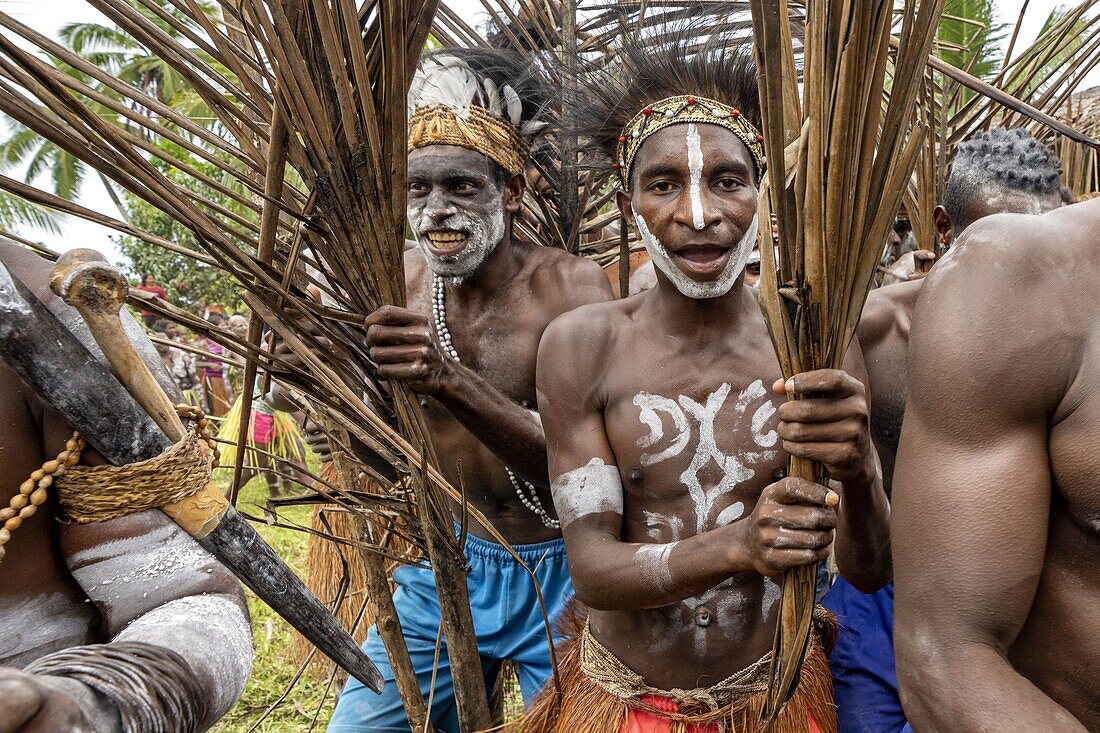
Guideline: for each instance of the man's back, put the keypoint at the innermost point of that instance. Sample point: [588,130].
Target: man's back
[997,510]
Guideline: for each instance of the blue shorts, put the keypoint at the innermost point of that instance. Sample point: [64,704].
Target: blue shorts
[864,677]
[507,620]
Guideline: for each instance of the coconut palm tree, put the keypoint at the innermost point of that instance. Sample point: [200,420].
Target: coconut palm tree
[124,58]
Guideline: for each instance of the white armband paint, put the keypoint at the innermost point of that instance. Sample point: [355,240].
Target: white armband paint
[653,561]
[594,488]
[212,635]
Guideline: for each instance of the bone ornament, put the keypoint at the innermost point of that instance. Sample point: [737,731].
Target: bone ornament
[33,342]
[85,280]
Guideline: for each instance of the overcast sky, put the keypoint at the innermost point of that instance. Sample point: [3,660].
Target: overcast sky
[47,16]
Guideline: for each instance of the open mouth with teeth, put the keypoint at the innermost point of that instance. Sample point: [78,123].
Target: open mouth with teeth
[446,241]
[704,260]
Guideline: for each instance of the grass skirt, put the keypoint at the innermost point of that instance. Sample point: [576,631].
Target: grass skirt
[585,704]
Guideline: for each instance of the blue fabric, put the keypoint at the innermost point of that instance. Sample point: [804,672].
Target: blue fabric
[507,621]
[862,663]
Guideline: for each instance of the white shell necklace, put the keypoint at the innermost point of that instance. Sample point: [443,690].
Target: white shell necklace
[529,498]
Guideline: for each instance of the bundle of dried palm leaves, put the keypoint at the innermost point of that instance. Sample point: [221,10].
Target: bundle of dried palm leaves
[1032,87]
[840,159]
[309,147]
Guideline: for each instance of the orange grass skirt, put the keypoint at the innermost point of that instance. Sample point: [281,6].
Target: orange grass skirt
[584,705]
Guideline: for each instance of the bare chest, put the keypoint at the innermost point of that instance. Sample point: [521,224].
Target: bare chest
[498,339]
[1073,439]
[694,450]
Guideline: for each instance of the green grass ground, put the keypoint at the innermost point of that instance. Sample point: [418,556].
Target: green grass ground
[307,706]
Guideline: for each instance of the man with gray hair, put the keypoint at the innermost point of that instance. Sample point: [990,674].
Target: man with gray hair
[479,299]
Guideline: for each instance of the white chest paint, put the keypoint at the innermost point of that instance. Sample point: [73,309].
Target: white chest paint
[695,421]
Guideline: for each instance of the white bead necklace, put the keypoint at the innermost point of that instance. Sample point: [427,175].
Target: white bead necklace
[530,498]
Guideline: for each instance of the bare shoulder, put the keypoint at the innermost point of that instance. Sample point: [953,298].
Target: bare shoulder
[1004,309]
[415,263]
[1030,252]
[417,276]
[576,279]
[884,309]
[587,332]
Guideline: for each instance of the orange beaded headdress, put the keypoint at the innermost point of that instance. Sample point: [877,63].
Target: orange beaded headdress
[454,100]
[677,110]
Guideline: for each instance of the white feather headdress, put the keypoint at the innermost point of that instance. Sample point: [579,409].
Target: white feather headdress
[450,81]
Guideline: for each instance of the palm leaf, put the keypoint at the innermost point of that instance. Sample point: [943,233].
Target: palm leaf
[847,139]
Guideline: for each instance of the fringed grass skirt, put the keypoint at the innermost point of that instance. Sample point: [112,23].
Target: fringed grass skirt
[600,695]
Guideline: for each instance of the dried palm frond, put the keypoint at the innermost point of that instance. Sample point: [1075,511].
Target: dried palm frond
[1033,87]
[840,158]
[318,88]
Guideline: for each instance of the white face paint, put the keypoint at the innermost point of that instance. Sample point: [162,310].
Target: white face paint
[591,489]
[483,234]
[691,288]
[695,168]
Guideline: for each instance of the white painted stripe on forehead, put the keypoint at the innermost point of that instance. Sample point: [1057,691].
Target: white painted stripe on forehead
[695,168]
[591,489]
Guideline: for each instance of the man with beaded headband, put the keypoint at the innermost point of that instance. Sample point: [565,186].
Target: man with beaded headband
[667,449]
[478,302]
[118,625]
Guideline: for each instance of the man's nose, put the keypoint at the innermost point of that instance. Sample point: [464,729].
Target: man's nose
[697,210]
[437,206]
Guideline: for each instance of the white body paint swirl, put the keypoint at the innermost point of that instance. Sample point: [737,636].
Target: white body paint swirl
[690,418]
[594,488]
[685,285]
[695,168]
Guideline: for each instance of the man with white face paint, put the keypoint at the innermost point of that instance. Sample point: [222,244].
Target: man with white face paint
[667,448]
[478,302]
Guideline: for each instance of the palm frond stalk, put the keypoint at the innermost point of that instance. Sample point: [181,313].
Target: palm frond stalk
[318,88]
[840,159]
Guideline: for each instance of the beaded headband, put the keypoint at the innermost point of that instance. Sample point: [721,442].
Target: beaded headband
[678,110]
[479,130]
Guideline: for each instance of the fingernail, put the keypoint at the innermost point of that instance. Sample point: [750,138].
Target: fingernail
[789,385]
[832,499]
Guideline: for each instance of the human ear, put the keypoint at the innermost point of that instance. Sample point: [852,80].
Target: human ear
[513,192]
[622,200]
[943,223]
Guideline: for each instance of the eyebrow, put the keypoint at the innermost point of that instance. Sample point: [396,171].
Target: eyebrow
[449,178]
[733,166]
[659,169]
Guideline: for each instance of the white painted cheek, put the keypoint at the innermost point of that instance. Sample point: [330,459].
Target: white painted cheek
[594,488]
[695,168]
